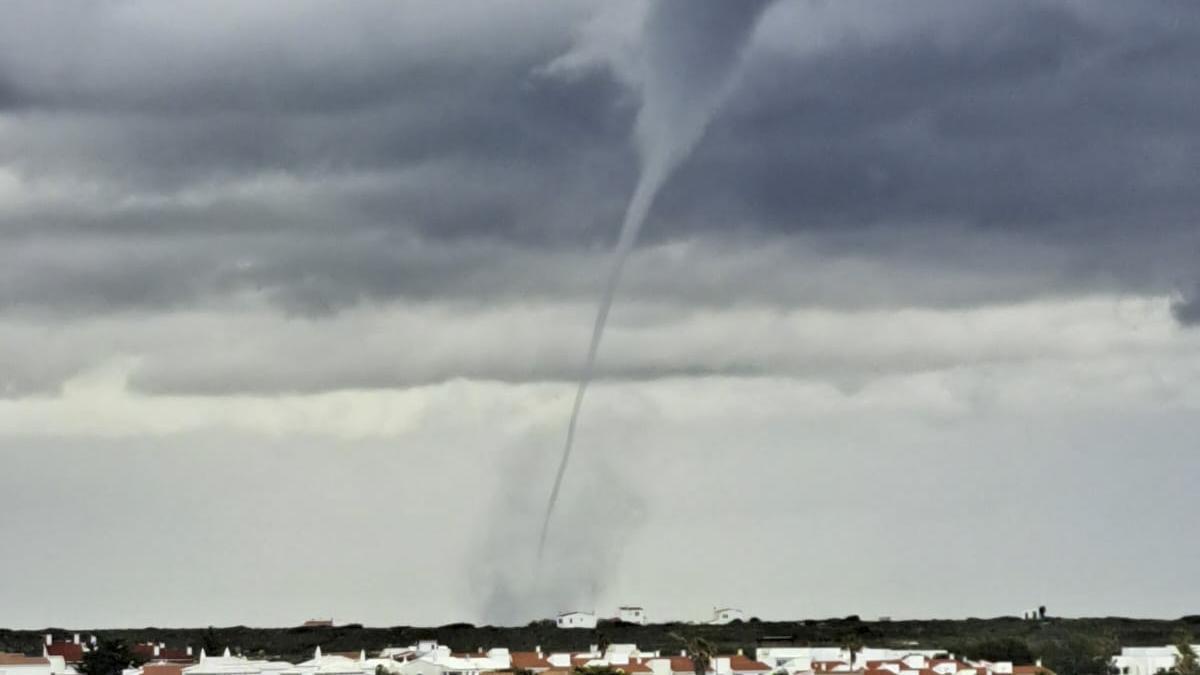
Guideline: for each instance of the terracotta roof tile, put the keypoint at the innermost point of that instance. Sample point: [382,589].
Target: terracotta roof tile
[682,664]
[740,663]
[7,659]
[529,661]
[162,669]
[71,652]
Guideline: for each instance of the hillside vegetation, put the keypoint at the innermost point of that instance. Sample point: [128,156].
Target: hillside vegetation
[1068,646]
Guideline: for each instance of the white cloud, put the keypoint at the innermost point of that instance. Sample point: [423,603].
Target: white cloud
[379,370]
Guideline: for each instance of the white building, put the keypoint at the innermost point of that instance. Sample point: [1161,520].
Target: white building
[727,615]
[905,659]
[441,662]
[19,664]
[1147,660]
[227,664]
[620,653]
[331,664]
[576,620]
[737,664]
[800,659]
[632,615]
[534,661]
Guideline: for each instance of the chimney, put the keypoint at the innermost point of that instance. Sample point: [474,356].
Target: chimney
[189,650]
[77,638]
[683,652]
[157,649]
[49,639]
[538,649]
[740,652]
[1038,663]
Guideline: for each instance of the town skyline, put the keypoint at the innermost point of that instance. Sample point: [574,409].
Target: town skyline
[299,300]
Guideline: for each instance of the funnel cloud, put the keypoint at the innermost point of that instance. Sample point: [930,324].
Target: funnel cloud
[691,51]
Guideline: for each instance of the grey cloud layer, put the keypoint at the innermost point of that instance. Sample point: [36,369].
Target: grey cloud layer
[167,157]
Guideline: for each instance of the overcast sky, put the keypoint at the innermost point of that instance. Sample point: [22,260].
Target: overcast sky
[293,296]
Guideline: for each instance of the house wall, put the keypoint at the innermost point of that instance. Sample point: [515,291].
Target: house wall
[577,620]
[632,615]
[421,667]
[728,616]
[32,669]
[1147,660]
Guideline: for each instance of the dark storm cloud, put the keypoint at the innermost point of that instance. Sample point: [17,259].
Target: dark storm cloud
[1035,119]
[1187,308]
[326,158]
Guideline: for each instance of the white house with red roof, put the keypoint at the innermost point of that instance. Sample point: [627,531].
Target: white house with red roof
[441,661]
[735,664]
[534,661]
[19,664]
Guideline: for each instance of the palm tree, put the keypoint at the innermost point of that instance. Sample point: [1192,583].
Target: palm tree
[699,650]
[1187,663]
[851,644]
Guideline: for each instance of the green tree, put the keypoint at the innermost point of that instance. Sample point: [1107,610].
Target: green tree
[1012,649]
[699,650]
[1186,665]
[602,642]
[852,644]
[109,657]
[1079,655]
[209,642]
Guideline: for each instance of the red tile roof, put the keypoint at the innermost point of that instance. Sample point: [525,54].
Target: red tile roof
[682,664]
[529,661]
[71,652]
[7,659]
[169,654]
[632,667]
[146,651]
[740,663]
[162,669]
